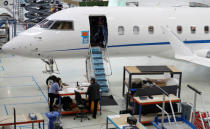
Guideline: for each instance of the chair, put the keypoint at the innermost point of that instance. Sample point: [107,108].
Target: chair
[81,103]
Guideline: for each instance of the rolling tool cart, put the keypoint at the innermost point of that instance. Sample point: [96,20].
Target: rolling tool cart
[200,119]
[171,121]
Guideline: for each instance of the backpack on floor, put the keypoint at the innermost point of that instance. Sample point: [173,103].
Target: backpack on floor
[67,103]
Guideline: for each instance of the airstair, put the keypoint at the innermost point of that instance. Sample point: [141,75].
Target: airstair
[99,65]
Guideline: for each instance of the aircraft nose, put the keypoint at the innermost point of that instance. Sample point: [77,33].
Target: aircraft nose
[5,48]
[9,47]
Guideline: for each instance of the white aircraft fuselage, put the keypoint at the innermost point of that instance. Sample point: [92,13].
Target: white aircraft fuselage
[41,42]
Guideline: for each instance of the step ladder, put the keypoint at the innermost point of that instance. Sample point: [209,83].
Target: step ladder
[97,63]
[20,11]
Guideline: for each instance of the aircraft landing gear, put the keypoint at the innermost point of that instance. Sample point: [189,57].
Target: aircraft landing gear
[49,66]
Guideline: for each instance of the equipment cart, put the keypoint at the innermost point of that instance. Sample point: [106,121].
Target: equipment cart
[169,123]
[176,121]
[200,119]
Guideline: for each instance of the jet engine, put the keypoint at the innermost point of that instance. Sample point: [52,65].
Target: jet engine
[203,53]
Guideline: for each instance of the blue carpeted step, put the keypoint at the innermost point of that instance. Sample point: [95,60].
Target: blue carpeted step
[100,76]
[105,89]
[103,85]
[100,79]
[95,49]
[98,67]
[98,61]
[96,52]
[102,82]
[97,56]
[101,72]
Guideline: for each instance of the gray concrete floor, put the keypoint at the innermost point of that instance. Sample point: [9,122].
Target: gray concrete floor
[22,85]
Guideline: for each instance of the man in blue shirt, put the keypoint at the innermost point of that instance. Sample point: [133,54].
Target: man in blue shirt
[53,92]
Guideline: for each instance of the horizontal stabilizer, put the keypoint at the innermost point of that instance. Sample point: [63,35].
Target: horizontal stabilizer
[182,51]
[201,61]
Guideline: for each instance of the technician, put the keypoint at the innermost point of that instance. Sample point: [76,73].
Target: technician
[53,92]
[93,93]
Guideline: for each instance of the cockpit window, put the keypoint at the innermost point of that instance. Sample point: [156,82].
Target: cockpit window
[45,23]
[62,25]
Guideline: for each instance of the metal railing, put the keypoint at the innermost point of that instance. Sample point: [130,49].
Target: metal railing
[89,70]
[107,59]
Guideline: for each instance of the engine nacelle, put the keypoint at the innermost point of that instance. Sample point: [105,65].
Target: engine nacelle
[203,53]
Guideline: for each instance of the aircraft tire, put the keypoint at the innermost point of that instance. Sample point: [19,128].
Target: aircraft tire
[51,79]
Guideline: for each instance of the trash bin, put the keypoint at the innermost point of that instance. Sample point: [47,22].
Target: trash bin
[52,116]
[186,110]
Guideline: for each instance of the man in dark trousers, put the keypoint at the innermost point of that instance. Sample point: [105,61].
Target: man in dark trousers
[53,92]
[93,93]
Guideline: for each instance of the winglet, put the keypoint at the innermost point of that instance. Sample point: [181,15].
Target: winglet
[182,51]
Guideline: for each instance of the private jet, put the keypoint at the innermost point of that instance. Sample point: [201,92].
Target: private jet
[96,33]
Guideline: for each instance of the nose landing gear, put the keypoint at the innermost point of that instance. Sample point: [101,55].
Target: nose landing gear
[50,66]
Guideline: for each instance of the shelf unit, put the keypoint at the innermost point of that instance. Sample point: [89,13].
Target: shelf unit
[146,70]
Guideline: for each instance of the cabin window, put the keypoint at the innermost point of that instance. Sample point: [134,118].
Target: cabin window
[121,30]
[135,30]
[62,25]
[179,29]
[45,23]
[151,29]
[193,29]
[206,29]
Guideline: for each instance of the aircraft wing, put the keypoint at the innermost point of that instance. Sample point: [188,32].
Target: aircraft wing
[181,51]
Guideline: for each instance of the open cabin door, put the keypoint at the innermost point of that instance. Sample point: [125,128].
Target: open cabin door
[98,31]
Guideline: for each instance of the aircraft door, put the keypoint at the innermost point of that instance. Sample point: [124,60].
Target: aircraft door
[98,31]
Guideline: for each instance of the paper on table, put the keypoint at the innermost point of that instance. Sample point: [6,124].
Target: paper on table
[156,97]
[70,89]
[84,84]
[114,116]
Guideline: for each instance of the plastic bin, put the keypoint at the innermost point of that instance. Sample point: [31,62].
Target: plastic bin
[52,116]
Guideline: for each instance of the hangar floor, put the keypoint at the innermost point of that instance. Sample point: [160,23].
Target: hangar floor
[22,85]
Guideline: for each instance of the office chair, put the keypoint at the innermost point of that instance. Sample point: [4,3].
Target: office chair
[81,103]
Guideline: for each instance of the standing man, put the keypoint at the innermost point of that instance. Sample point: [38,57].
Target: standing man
[93,93]
[53,92]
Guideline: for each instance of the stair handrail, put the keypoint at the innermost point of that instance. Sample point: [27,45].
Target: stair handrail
[87,73]
[91,53]
[106,53]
